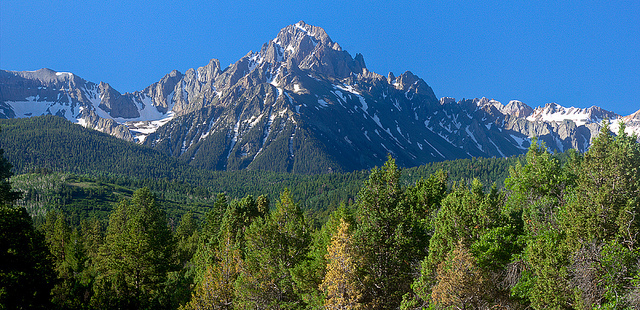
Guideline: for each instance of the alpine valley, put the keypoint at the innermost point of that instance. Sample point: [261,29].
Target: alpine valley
[301,104]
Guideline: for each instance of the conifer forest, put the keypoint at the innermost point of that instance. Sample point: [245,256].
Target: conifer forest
[548,230]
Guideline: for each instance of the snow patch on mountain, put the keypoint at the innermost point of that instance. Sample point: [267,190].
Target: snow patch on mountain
[553,112]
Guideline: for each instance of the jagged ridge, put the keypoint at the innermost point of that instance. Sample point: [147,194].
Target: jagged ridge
[300,104]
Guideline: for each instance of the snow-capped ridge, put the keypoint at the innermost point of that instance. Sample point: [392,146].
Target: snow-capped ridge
[553,112]
[301,92]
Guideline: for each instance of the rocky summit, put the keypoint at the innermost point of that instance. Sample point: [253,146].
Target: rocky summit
[301,104]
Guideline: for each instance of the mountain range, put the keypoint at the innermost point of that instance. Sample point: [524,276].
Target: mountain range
[301,104]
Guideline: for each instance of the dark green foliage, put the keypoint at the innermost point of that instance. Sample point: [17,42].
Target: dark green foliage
[388,241]
[187,236]
[600,222]
[275,246]
[562,234]
[118,167]
[26,267]
[486,170]
[465,216]
[7,195]
[607,196]
[26,271]
[136,256]
[538,190]
[54,143]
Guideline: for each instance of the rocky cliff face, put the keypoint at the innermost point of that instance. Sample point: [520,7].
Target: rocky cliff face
[46,92]
[300,104]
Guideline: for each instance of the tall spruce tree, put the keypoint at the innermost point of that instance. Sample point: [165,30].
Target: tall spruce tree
[601,221]
[388,239]
[136,256]
[275,247]
[26,268]
[538,190]
[68,253]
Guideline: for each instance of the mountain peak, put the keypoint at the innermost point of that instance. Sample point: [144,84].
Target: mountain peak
[635,116]
[304,46]
[299,97]
[517,108]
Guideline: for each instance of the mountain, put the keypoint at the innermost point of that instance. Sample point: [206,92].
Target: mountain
[300,104]
[52,143]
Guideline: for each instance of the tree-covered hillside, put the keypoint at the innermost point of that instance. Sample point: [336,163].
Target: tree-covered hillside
[87,172]
[51,142]
[561,234]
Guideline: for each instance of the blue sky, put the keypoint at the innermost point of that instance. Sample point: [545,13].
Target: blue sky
[581,54]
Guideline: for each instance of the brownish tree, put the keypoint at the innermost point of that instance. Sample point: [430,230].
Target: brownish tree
[341,285]
[460,284]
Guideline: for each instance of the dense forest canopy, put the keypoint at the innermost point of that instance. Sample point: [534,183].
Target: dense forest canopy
[560,232]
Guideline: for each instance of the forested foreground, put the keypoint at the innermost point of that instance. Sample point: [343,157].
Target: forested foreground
[562,234]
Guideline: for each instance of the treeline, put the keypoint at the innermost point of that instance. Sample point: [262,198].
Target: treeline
[53,143]
[562,234]
[60,163]
[95,195]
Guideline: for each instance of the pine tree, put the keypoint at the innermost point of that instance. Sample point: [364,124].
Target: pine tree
[275,247]
[216,290]
[26,271]
[466,214]
[601,218]
[388,239]
[136,256]
[341,285]
[179,282]
[460,284]
[67,250]
[605,205]
[538,190]
[187,235]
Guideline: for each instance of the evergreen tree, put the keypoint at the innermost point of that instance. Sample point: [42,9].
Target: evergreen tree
[341,285]
[179,282]
[606,201]
[311,272]
[275,246]
[425,197]
[538,190]
[213,217]
[216,290]
[186,235]
[388,240]
[136,256]
[601,218]
[466,216]
[67,249]
[26,271]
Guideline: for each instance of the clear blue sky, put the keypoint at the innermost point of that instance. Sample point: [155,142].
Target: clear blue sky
[579,55]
